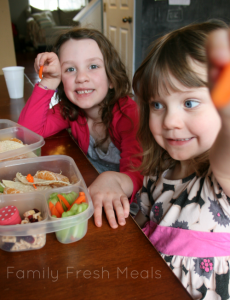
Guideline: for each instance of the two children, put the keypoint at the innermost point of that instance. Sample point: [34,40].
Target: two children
[93,92]
[185,199]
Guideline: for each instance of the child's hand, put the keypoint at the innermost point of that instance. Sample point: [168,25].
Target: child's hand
[218,52]
[51,70]
[106,191]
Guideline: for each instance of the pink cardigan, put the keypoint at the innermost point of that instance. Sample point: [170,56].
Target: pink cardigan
[37,116]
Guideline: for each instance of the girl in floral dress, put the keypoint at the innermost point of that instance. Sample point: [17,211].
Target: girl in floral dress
[185,204]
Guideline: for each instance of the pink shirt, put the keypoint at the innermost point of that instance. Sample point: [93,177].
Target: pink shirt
[37,116]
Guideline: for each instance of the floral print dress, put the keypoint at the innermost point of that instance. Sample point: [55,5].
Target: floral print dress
[189,224]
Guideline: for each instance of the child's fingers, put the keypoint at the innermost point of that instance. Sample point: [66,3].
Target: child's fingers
[45,59]
[110,215]
[218,47]
[118,207]
[218,54]
[97,213]
[37,63]
[50,69]
[126,206]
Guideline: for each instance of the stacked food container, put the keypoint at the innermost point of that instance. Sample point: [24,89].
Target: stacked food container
[31,200]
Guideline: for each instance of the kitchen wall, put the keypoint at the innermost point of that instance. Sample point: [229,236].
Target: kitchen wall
[91,15]
[158,17]
[7,53]
[18,15]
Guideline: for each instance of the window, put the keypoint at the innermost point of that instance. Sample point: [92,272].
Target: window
[55,4]
[70,4]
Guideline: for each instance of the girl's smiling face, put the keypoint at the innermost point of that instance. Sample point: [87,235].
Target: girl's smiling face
[83,73]
[185,122]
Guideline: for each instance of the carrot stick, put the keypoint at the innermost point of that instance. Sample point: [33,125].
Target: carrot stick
[79,200]
[30,178]
[59,207]
[40,72]
[50,205]
[221,91]
[35,186]
[63,199]
[55,212]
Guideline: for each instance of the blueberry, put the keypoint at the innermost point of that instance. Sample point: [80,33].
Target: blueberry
[7,246]
[36,210]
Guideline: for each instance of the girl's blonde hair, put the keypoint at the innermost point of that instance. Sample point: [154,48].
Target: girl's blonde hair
[170,55]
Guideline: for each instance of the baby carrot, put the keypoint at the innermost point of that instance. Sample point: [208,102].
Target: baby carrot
[59,207]
[55,212]
[221,91]
[50,205]
[79,200]
[63,199]
[30,178]
[40,72]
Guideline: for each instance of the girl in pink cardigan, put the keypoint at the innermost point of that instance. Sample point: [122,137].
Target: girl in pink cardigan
[93,92]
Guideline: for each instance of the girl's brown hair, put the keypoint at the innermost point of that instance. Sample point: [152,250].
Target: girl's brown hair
[170,55]
[115,71]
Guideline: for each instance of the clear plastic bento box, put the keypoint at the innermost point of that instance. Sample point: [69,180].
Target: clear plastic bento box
[32,236]
[32,142]
[4,123]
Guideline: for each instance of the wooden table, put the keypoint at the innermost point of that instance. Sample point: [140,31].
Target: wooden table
[105,264]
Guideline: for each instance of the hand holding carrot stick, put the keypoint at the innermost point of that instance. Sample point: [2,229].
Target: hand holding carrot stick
[48,67]
[218,51]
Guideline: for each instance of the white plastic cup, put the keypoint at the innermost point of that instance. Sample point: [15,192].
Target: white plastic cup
[14,77]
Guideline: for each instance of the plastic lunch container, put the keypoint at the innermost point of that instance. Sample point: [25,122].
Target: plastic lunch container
[4,123]
[32,236]
[32,141]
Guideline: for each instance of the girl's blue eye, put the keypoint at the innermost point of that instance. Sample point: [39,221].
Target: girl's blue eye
[93,67]
[157,105]
[191,103]
[71,69]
